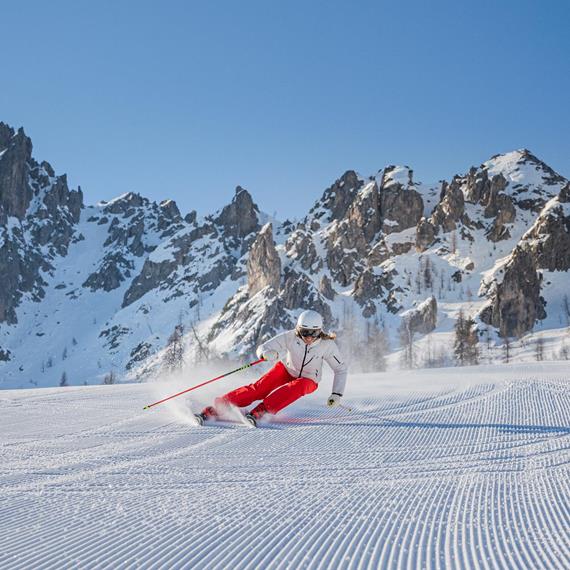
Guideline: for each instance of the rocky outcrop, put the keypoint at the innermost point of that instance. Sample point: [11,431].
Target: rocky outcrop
[15,157]
[112,272]
[47,212]
[369,288]
[326,288]
[425,234]
[451,208]
[400,208]
[423,318]
[239,218]
[549,238]
[300,246]
[505,214]
[338,198]
[349,240]
[515,301]
[263,264]
[299,292]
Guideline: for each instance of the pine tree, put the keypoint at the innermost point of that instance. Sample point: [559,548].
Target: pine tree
[465,343]
[63,380]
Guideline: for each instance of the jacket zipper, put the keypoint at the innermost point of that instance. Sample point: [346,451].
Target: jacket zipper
[303,363]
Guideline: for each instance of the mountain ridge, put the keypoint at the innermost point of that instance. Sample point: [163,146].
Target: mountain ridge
[106,285]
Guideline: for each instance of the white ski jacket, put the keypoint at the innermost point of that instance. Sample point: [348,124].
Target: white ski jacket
[303,360]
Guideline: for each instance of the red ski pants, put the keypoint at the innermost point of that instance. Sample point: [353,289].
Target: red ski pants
[277,389]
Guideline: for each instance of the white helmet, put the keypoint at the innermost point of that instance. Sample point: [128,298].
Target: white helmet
[310,323]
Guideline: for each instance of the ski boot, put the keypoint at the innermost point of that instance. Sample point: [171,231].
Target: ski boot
[207,413]
[255,415]
[250,420]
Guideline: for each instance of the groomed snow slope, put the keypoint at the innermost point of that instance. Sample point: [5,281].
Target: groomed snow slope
[452,468]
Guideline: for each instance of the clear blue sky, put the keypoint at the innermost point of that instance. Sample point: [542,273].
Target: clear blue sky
[185,100]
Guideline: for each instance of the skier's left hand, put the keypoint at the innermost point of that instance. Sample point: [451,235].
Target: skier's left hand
[334,400]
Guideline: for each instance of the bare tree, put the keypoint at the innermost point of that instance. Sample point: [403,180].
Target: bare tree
[453,242]
[110,378]
[566,309]
[507,349]
[203,352]
[174,354]
[539,348]
[428,274]
[375,348]
[407,357]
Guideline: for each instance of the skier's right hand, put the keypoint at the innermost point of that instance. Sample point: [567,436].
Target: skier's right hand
[269,354]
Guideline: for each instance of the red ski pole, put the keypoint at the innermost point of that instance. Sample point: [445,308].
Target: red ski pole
[204,383]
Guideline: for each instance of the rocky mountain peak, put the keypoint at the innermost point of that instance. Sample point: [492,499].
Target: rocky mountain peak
[241,216]
[125,204]
[396,175]
[263,265]
[337,199]
[15,157]
[6,134]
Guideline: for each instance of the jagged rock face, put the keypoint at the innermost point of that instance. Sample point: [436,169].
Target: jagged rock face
[344,264]
[348,240]
[368,288]
[152,275]
[240,218]
[299,292]
[19,268]
[400,208]
[490,193]
[109,276]
[516,302]
[379,254]
[363,217]
[549,238]
[50,221]
[423,318]
[300,246]
[338,198]
[451,208]
[132,218]
[425,234]
[477,185]
[263,265]
[15,156]
[326,288]
[169,214]
[505,213]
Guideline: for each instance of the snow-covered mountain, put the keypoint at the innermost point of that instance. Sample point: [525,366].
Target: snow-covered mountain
[86,291]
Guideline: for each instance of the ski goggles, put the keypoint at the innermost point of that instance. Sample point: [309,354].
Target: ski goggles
[309,333]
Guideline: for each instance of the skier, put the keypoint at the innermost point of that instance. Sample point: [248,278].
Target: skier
[299,354]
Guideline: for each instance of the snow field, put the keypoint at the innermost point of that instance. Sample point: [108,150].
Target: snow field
[449,468]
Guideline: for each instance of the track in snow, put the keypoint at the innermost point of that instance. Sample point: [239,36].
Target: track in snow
[463,475]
